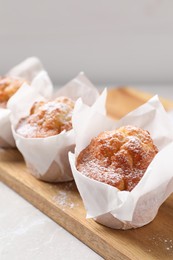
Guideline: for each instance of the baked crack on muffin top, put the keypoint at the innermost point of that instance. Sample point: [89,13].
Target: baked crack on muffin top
[8,87]
[47,118]
[119,157]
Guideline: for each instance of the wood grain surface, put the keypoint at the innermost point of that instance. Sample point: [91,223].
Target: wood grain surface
[62,202]
[122,100]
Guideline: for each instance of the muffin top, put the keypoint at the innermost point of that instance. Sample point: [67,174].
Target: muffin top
[47,118]
[8,87]
[119,157]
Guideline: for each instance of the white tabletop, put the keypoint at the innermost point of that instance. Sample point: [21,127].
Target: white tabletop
[26,233]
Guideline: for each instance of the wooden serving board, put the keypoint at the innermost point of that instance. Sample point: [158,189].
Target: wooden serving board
[63,204]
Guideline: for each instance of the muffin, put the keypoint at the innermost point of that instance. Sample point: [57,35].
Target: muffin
[94,160]
[119,157]
[43,133]
[47,118]
[8,87]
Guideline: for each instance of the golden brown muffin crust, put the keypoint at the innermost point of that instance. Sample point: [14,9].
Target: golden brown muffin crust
[8,87]
[47,118]
[119,157]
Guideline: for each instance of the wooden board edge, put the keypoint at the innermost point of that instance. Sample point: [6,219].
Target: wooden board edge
[142,95]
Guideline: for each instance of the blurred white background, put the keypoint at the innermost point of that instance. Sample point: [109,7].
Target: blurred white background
[113,42]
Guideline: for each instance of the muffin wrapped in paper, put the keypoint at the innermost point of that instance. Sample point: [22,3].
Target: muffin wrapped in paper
[107,204]
[31,73]
[47,156]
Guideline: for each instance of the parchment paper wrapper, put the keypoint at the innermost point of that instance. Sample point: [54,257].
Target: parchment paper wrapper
[32,71]
[170,113]
[108,205]
[47,158]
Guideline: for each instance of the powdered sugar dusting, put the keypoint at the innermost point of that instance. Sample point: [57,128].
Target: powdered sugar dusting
[119,157]
[47,118]
[163,242]
[64,198]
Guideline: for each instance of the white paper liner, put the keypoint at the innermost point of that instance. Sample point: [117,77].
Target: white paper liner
[79,87]
[32,71]
[6,137]
[47,158]
[106,204]
[170,113]
[27,69]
